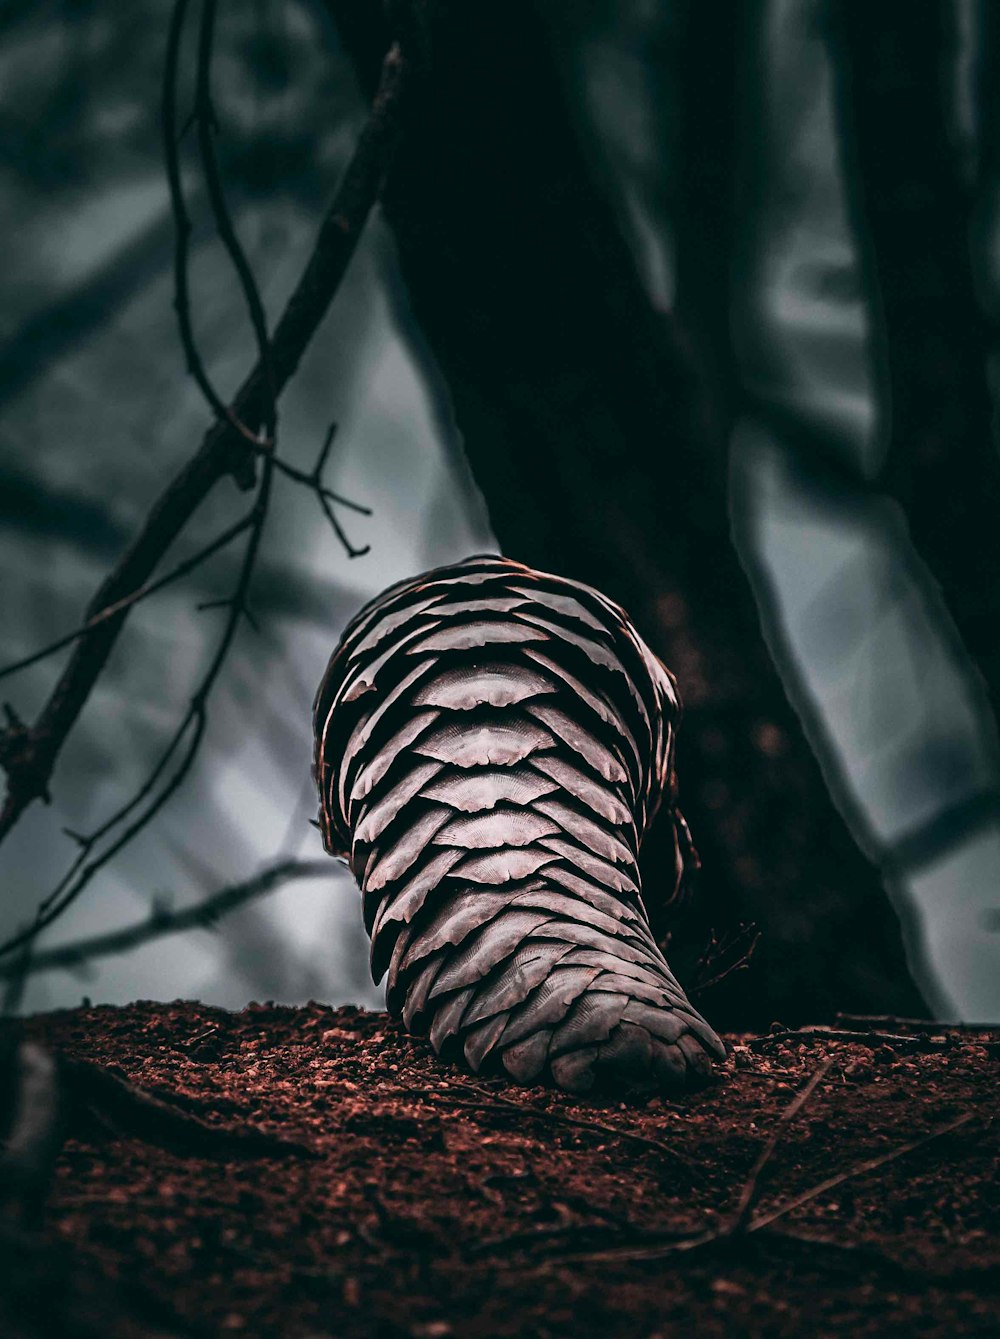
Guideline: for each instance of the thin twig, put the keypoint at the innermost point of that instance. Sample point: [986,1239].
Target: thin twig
[859,1169]
[128,601]
[750,1192]
[494,1099]
[193,725]
[821,1033]
[182,226]
[314,479]
[884,1021]
[719,1237]
[82,870]
[737,945]
[29,753]
[206,124]
[162,922]
[325,496]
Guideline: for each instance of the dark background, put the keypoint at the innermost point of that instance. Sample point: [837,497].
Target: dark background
[681,274]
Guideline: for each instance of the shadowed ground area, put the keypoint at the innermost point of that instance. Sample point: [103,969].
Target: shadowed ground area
[827,1184]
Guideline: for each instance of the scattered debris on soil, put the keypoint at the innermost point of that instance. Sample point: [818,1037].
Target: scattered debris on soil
[315,1172]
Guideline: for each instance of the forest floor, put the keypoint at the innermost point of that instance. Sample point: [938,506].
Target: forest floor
[821,1186]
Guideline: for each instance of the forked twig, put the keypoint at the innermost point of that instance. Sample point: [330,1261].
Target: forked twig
[724,956]
[859,1169]
[750,1192]
[326,497]
[192,727]
[723,1237]
[28,754]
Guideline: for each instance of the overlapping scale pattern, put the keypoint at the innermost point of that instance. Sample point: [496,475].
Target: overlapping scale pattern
[492,743]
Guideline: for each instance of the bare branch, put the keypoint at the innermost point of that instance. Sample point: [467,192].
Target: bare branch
[206,123]
[325,496]
[314,479]
[192,725]
[81,871]
[150,588]
[182,225]
[29,753]
[161,922]
[724,955]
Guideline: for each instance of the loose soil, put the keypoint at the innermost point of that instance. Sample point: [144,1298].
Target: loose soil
[419,1201]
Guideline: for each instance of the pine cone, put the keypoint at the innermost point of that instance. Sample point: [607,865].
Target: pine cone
[492,743]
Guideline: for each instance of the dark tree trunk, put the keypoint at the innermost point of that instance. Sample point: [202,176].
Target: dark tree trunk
[585,420]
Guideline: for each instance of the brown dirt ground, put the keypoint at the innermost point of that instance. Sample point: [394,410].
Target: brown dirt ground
[438,1204]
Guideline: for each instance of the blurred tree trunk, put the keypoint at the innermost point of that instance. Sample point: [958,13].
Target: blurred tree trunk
[942,465]
[596,429]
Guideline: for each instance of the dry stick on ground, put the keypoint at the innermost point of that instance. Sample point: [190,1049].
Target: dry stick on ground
[29,753]
[58,1096]
[867,1022]
[859,1169]
[723,1237]
[204,914]
[496,1101]
[821,1033]
[750,1192]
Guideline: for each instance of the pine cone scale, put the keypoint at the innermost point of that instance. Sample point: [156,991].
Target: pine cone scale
[491,799]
